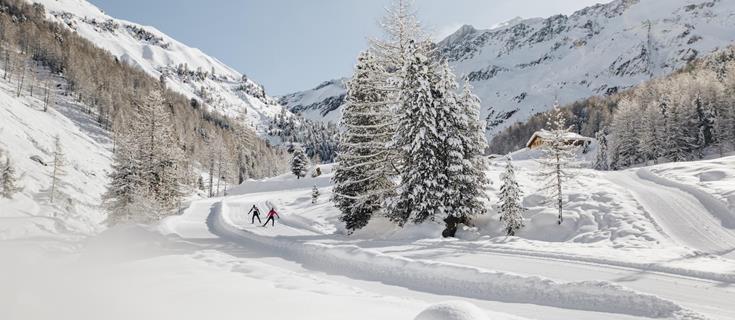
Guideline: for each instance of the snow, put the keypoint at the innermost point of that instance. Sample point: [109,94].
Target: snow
[643,243]
[452,310]
[610,259]
[315,104]
[672,206]
[225,95]
[609,232]
[26,131]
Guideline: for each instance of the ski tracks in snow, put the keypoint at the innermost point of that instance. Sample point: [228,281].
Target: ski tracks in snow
[688,216]
[445,278]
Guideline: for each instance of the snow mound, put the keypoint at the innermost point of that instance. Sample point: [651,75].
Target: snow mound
[452,310]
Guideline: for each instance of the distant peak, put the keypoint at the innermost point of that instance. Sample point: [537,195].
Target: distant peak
[508,23]
[462,32]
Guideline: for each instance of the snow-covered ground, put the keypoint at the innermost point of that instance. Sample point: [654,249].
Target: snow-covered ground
[614,242]
[643,243]
[27,131]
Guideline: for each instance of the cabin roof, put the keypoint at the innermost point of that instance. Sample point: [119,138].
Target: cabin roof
[544,134]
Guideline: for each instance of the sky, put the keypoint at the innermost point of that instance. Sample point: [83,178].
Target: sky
[294,45]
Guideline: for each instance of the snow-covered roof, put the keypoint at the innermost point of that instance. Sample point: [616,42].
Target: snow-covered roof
[569,136]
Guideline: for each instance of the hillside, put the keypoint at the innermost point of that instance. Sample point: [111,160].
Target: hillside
[521,67]
[187,70]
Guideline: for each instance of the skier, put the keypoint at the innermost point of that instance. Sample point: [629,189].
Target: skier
[271,217]
[256,214]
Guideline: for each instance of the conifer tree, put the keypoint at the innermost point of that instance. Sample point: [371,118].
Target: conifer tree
[650,135]
[463,146]
[362,178]
[162,161]
[681,133]
[724,128]
[8,179]
[511,210]
[401,29]
[315,194]
[421,191]
[601,160]
[127,186]
[299,163]
[557,160]
[626,142]
[148,166]
[58,167]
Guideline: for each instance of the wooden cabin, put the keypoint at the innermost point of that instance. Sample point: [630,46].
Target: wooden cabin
[540,137]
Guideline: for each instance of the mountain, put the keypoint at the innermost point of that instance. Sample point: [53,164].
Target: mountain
[187,70]
[520,67]
[320,103]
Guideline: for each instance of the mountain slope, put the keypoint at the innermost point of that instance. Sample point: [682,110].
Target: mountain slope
[519,68]
[321,103]
[187,70]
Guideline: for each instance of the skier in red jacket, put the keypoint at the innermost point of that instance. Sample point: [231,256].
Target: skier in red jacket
[271,217]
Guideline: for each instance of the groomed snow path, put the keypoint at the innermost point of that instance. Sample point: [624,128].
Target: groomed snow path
[688,216]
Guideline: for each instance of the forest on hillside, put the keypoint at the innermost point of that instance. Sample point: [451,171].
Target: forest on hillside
[36,53]
[679,117]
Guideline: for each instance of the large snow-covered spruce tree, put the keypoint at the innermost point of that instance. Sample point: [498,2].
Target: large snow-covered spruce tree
[511,210]
[558,159]
[423,174]
[465,139]
[362,178]
[463,143]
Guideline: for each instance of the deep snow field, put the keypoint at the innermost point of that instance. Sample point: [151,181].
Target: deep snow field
[654,242]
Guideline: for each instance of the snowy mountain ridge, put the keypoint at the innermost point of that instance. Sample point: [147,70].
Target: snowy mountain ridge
[187,70]
[320,102]
[520,67]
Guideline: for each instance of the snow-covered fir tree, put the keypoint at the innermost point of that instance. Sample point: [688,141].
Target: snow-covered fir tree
[601,159]
[299,163]
[724,128]
[625,144]
[681,133]
[162,156]
[557,161]
[8,179]
[401,28]
[127,186]
[362,178]
[475,142]
[148,166]
[423,174]
[462,147]
[58,169]
[511,209]
[315,194]
[650,135]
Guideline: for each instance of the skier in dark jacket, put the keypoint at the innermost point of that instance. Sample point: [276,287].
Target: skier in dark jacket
[271,217]
[256,214]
